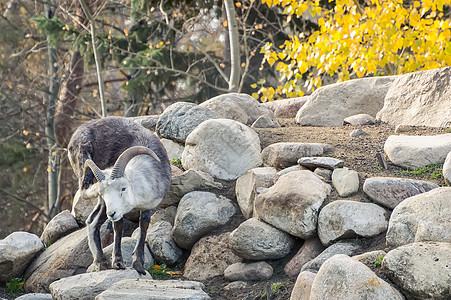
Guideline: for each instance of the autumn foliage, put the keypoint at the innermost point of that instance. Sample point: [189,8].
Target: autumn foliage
[358,39]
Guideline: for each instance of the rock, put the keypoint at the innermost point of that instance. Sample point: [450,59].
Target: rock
[180,119]
[370,259]
[265,121]
[417,151]
[148,122]
[247,185]
[197,214]
[89,285]
[311,248]
[324,173]
[248,272]
[161,243]
[321,162]
[447,168]
[256,240]
[288,170]
[403,128]
[146,289]
[341,277]
[173,149]
[282,155]
[239,107]
[35,296]
[421,269]
[303,286]
[223,148]
[390,191]
[59,226]
[424,217]
[357,133]
[331,104]
[235,285]
[428,90]
[347,248]
[345,181]
[286,108]
[68,256]
[164,214]
[342,219]
[359,120]
[293,202]
[82,208]
[210,257]
[176,171]
[17,250]
[188,181]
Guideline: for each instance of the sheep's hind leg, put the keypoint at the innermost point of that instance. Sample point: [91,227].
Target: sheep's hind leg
[138,253]
[94,221]
[117,261]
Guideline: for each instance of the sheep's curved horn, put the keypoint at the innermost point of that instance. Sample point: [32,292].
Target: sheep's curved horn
[98,173]
[126,156]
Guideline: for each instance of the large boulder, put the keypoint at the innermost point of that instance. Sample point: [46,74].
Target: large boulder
[292,204]
[17,250]
[342,277]
[127,246]
[331,104]
[197,214]
[422,270]
[447,168]
[345,181]
[311,248]
[256,240]
[348,219]
[179,120]
[89,285]
[223,148]
[303,286]
[254,271]
[286,108]
[174,149]
[59,226]
[417,151]
[210,257]
[390,191]
[161,244]
[282,155]
[420,98]
[239,107]
[424,217]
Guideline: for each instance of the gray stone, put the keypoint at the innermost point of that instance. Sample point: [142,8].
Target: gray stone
[198,213]
[345,181]
[226,149]
[303,286]
[173,149]
[256,240]
[180,119]
[35,296]
[357,133]
[265,121]
[188,181]
[248,271]
[424,217]
[324,173]
[166,214]
[146,289]
[331,104]
[390,191]
[288,170]
[321,162]
[235,285]
[421,269]
[148,122]
[162,245]
[370,259]
[293,202]
[403,128]
[342,219]
[286,108]
[360,119]
[17,250]
[417,151]
[311,248]
[347,248]
[239,107]
[447,168]
[82,207]
[89,285]
[341,277]
[247,185]
[59,226]
[210,257]
[419,98]
[282,155]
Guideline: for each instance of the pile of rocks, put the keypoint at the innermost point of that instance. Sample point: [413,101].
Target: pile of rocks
[284,194]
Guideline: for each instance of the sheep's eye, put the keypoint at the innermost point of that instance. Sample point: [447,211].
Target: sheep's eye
[123,189]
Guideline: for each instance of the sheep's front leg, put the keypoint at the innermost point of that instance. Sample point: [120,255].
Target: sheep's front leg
[94,221]
[138,253]
[118,262]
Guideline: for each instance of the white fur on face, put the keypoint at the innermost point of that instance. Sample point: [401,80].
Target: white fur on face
[117,195]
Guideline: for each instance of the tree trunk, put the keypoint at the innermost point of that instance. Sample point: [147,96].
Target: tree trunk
[234,79]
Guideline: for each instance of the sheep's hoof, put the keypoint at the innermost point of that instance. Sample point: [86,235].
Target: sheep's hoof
[98,266]
[118,264]
[139,268]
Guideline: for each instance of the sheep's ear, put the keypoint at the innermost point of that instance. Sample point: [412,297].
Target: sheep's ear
[98,173]
[126,156]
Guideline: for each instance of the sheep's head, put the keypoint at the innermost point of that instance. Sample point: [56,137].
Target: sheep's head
[112,186]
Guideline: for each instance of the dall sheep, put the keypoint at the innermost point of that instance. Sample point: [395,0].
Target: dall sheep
[132,171]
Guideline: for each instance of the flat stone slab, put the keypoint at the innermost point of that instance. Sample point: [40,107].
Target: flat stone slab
[321,162]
